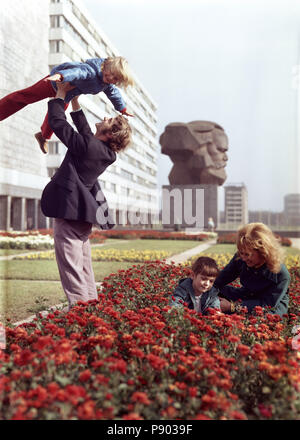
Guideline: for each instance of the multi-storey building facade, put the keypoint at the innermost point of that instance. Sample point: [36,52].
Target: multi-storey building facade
[236,204]
[23,61]
[130,184]
[292,209]
[270,218]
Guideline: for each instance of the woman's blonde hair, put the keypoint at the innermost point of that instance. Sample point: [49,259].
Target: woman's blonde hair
[118,66]
[120,134]
[258,237]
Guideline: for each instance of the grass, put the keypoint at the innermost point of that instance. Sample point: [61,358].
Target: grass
[173,246]
[46,270]
[7,252]
[20,299]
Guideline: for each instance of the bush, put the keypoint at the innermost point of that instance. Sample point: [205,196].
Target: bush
[27,242]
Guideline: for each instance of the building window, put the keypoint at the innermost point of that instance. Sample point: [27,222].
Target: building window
[126,174]
[56,46]
[53,147]
[56,21]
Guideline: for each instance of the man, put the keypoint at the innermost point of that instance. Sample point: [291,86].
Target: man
[74,197]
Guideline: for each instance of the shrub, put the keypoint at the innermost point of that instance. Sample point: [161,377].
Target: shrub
[27,242]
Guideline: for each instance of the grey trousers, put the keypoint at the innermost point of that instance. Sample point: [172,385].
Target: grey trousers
[73,256]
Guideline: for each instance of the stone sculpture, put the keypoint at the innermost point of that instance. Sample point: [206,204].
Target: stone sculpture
[198,152]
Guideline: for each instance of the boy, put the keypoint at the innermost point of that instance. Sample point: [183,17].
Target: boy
[91,77]
[198,291]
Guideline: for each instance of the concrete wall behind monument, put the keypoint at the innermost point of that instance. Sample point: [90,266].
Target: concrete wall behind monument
[24,48]
[189,206]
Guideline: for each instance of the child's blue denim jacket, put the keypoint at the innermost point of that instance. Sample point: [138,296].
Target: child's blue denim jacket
[184,293]
[87,79]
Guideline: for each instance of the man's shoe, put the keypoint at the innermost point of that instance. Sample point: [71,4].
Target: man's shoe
[42,142]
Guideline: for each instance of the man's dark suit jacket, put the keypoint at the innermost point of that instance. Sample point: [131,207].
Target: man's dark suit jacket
[71,194]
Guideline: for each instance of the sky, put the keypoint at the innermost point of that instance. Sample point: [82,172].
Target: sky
[233,62]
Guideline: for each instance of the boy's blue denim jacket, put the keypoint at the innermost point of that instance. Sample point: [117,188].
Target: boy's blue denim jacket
[184,293]
[87,79]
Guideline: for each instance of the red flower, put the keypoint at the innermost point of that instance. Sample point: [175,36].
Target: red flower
[100,378]
[193,391]
[119,365]
[84,376]
[237,415]
[24,357]
[156,362]
[132,416]
[136,352]
[201,417]
[86,411]
[140,397]
[243,349]
[265,411]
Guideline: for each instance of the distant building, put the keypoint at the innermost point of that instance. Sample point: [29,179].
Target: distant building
[35,35]
[292,209]
[269,218]
[236,204]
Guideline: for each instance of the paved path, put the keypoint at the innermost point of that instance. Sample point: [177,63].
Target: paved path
[180,258]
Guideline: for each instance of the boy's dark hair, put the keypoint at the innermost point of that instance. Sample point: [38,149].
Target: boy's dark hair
[205,266]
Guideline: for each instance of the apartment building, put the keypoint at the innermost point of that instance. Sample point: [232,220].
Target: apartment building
[292,209]
[236,204]
[68,33]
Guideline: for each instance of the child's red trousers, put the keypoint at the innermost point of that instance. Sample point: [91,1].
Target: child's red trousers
[15,101]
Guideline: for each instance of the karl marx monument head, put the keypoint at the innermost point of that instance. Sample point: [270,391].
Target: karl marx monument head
[198,151]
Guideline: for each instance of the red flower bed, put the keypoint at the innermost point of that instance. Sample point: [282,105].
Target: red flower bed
[15,234]
[130,356]
[230,238]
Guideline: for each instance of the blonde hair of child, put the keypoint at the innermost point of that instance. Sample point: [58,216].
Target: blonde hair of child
[118,66]
[258,237]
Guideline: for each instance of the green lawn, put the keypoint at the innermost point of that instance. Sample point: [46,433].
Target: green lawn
[20,299]
[47,269]
[173,246]
[7,252]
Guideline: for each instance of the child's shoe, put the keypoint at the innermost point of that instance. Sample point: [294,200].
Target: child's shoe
[42,142]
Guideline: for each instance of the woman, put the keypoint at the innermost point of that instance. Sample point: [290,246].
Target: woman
[258,264]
